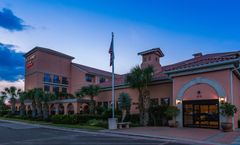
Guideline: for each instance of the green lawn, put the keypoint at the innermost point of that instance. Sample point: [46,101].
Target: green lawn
[76,126]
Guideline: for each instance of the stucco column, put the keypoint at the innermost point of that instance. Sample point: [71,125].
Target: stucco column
[76,107]
[179,117]
[65,108]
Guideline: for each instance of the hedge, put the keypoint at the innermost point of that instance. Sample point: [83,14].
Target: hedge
[75,118]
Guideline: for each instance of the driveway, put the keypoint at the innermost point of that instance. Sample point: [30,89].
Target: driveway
[20,134]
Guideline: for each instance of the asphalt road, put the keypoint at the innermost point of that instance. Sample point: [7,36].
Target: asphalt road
[17,134]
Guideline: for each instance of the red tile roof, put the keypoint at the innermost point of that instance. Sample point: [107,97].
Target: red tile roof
[94,71]
[118,81]
[203,60]
[198,61]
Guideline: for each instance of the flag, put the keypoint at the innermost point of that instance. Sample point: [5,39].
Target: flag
[111,52]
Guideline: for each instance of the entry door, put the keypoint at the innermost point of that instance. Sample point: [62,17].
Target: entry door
[203,114]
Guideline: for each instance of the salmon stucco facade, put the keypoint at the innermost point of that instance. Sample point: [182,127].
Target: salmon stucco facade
[197,86]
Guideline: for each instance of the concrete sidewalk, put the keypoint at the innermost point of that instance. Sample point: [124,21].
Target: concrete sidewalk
[193,135]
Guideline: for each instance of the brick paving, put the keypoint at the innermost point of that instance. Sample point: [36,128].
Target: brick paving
[200,135]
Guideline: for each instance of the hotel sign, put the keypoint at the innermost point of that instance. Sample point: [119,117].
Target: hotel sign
[29,61]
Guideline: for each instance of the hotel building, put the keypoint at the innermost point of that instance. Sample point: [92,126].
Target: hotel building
[197,86]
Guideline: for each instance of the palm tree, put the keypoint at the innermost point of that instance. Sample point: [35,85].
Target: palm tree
[22,97]
[30,96]
[3,106]
[91,91]
[46,98]
[38,97]
[124,104]
[13,93]
[139,78]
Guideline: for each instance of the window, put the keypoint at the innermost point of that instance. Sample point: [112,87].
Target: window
[64,90]
[64,80]
[56,79]
[47,78]
[154,101]
[165,101]
[56,89]
[46,88]
[102,80]
[89,78]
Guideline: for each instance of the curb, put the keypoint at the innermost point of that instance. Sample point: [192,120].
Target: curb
[166,138]
[50,127]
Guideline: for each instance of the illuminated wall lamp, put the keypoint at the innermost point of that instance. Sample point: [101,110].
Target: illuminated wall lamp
[222,100]
[178,101]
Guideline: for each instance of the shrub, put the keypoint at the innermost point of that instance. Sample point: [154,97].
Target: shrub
[3,112]
[100,110]
[74,119]
[65,119]
[84,118]
[99,123]
[133,118]
[157,115]
[228,109]
[172,111]
[9,115]
[108,114]
[238,123]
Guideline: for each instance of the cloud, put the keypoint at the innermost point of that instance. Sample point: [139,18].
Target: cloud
[11,63]
[18,84]
[11,22]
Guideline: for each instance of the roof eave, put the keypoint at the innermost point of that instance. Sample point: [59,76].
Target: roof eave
[202,66]
[37,48]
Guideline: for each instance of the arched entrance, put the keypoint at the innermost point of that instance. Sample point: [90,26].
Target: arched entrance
[52,109]
[200,103]
[60,109]
[70,108]
[84,108]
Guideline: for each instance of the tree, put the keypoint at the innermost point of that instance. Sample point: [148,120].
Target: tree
[46,98]
[38,97]
[22,97]
[13,93]
[124,104]
[139,78]
[91,91]
[30,96]
[3,106]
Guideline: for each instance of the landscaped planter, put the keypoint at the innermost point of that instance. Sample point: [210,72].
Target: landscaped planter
[227,110]
[226,127]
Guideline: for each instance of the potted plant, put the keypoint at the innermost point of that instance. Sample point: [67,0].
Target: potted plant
[172,112]
[227,110]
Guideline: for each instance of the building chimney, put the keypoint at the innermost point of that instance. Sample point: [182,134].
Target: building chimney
[152,58]
[197,55]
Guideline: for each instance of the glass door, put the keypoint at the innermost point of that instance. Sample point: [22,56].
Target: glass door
[203,113]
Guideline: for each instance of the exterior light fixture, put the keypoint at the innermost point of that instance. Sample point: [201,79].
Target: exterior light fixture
[178,101]
[222,100]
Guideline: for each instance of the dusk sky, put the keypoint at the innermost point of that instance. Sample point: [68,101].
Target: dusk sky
[82,29]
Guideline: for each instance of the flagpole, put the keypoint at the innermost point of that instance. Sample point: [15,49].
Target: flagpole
[113,81]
